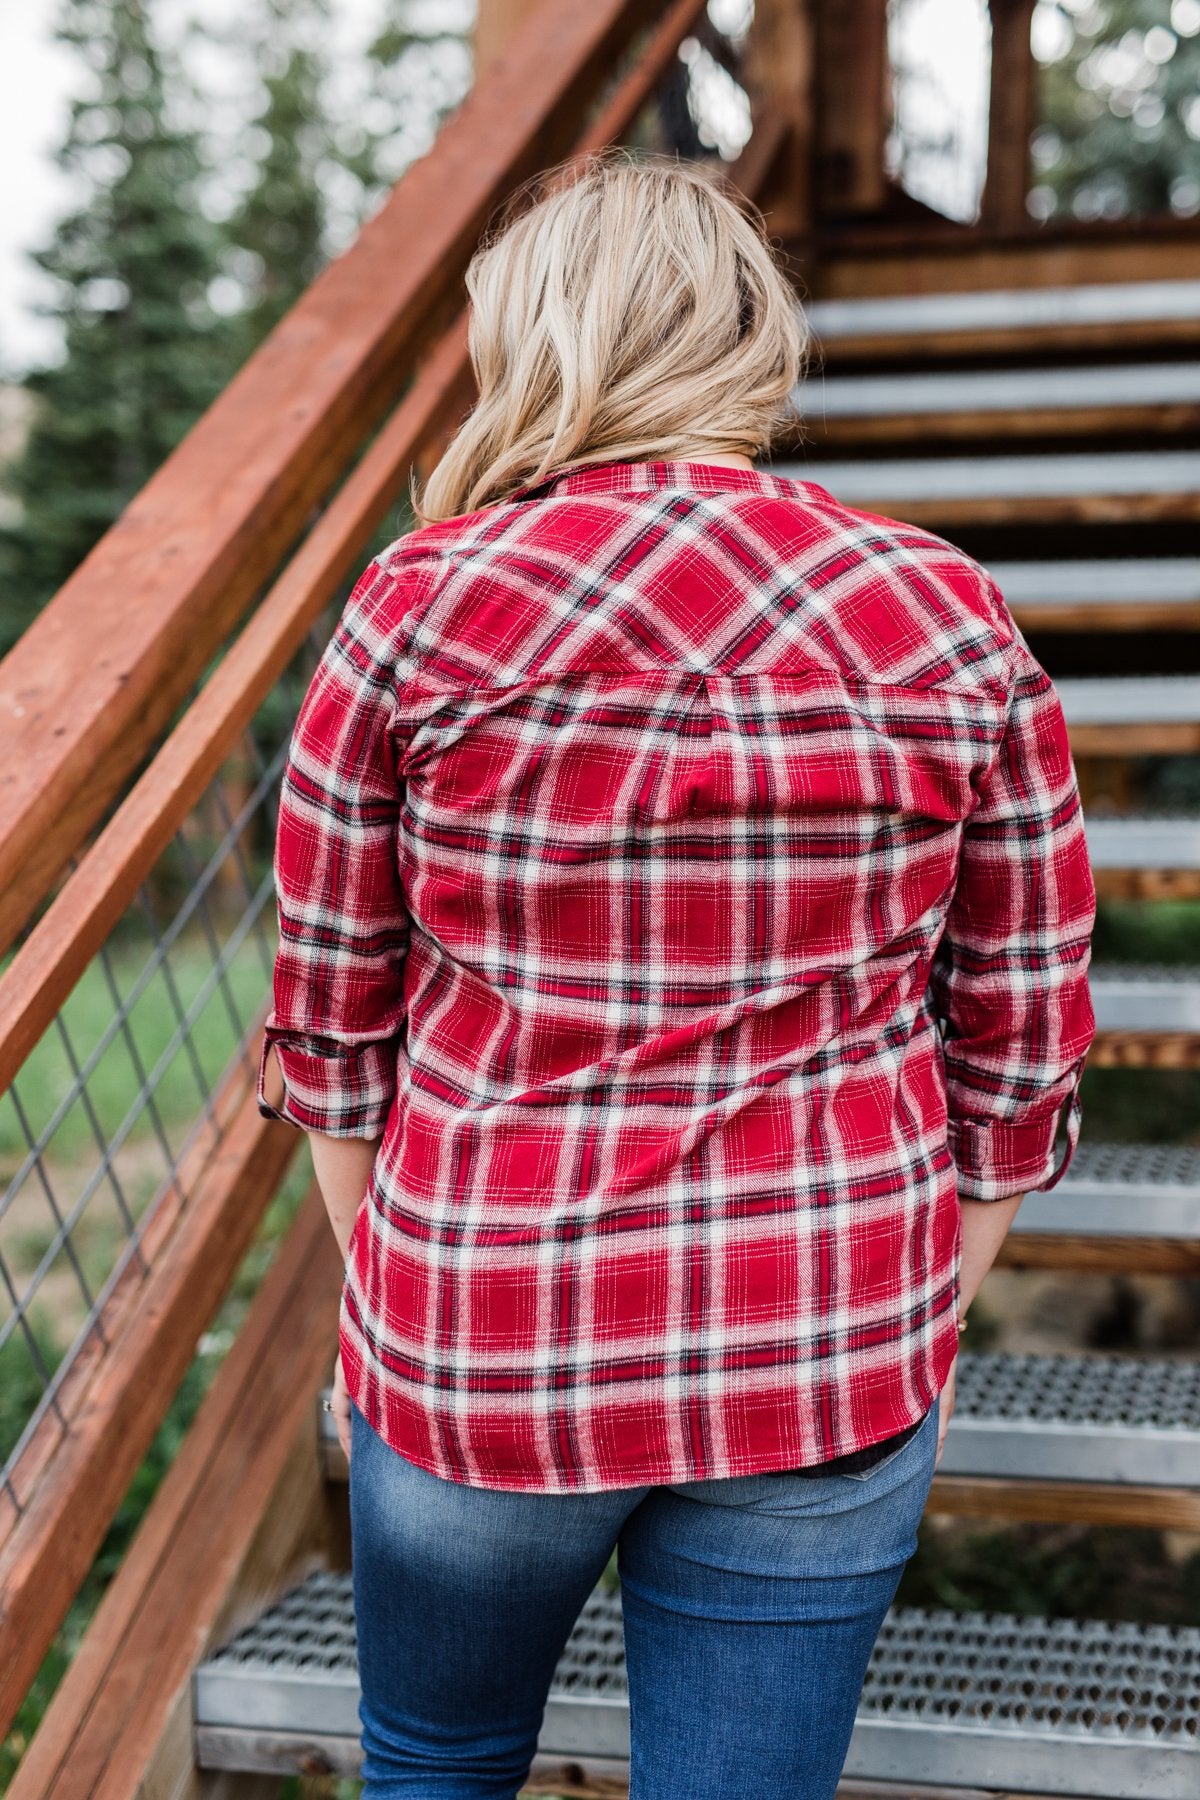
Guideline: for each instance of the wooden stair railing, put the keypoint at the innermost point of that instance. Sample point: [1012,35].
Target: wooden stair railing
[160,595]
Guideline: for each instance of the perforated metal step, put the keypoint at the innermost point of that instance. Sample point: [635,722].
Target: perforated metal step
[1010,310]
[999,391]
[1145,997]
[1076,1418]
[1129,699]
[1095,581]
[1160,472]
[1144,841]
[1120,1190]
[1031,1705]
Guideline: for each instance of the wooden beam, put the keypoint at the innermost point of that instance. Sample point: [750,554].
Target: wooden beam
[778,68]
[852,106]
[496,23]
[51,1545]
[240,1504]
[1011,116]
[97,677]
[1065,1502]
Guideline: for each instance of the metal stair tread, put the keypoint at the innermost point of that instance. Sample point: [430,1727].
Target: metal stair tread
[1085,388]
[1078,474]
[1129,699]
[1026,1703]
[1007,309]
[1121,580]
[1154,997]
[1144,840]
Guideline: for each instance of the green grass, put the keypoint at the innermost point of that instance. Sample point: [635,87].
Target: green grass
[47,1074]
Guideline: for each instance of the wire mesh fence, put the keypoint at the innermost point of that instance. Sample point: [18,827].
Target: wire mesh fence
[120,1107]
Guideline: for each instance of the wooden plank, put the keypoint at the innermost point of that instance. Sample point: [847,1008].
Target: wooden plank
[1145,1050]
[1100,1255]
[244,1461]
[778,69]
[851,106]
[1065,1502]
[163,588]
[496,22]
[1011,114]
[960,263]
[51,1547]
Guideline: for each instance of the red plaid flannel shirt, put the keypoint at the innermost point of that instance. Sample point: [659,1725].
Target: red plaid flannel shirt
[685,875]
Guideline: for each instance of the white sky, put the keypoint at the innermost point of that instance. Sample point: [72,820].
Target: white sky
[37,80]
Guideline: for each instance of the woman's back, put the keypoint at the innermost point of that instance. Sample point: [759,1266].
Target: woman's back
[665,809]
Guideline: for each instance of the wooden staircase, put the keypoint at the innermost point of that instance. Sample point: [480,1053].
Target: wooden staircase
[1052,428]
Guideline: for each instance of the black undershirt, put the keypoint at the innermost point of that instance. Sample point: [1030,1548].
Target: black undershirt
[854,1461]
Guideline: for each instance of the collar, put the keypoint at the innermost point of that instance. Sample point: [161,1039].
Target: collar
[693,477]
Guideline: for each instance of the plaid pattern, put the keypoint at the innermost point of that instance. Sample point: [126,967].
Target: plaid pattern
[685,874]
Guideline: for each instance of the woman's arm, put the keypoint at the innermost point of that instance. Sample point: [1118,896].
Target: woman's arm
[343,1168]
[985,1225]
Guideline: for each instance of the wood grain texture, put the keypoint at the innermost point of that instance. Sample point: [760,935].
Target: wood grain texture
[51,1546]
[237,1507]
[98,675]
[1065,1502]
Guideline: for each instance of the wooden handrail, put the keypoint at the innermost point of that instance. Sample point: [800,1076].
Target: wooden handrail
[98,675]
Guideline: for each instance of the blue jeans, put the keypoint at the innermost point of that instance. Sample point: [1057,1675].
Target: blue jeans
[751,1607]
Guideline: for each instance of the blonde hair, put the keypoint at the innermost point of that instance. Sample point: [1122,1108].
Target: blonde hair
[634,313]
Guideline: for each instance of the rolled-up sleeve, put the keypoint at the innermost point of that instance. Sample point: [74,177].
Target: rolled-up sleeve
[332,1037]
[1009,976]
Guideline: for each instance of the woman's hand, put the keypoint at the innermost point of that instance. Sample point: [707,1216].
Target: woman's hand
[945,1408]
[339,1405]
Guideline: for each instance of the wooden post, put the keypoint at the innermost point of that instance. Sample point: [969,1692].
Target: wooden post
[852,105]
[779,66]
[1012,115]
[495,22]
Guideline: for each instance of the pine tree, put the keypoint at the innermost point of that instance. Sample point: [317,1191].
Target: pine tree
[1120,109]
[277,234]
[143,352]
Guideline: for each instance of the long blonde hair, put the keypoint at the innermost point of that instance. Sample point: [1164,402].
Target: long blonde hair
[635,313]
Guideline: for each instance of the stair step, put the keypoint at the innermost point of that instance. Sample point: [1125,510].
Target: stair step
[964,403]
[1120,1190]
[1159,997]
[1094,1418]
[1082,487]
[910,324]
[1144,841]
[1129,699]
[982,1700]
[1095,582]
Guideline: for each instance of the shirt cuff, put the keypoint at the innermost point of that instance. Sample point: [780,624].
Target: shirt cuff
[996,1159]
[336,1090]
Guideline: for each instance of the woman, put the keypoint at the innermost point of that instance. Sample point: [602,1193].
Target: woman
[685,917]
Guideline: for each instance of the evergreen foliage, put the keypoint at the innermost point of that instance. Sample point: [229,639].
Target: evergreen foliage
[277,233]
[1120,108]
[143,349]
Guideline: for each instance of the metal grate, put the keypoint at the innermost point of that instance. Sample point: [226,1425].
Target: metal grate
[1053,1706]
[119,1107]
[1076,1418]
[1144,841]
[1145,996]
[1164,472]
[999,390]
[1007,309]
[1121,1190]
[1093,581]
